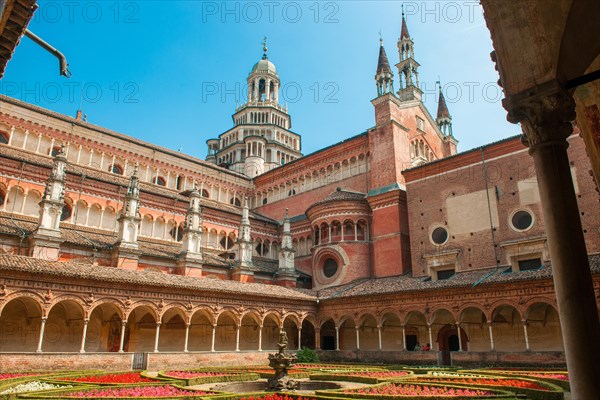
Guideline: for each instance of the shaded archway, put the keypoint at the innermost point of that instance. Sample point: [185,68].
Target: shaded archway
[474,322]
[172,330]
[347,334]
[308,334]
[543,328]
[64,327]
[508,329]
[391,332]
[290,326]
[416,332]
[140,332]
[104,329]
[201,330]
[20,323]
[368,333]
[270,333]
[250,332]
[226,332]
[328,335]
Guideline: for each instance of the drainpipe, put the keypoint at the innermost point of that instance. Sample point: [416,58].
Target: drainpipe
[62,60]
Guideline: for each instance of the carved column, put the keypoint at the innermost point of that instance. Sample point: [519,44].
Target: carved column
[300,339]
[237,338]
[357,338]
[337,338]
[430,337]
[260,328]
[212,343]
[460,345]
[545,113]
[379,337]
[403,337]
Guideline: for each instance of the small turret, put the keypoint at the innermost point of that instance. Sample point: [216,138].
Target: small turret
[443,119]
[407,67]
[384,76]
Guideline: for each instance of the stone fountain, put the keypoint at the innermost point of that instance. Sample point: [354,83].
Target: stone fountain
[281,362]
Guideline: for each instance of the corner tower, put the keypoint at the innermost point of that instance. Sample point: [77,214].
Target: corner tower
[261,138]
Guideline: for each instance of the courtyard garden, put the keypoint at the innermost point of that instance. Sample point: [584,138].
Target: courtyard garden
[327,381]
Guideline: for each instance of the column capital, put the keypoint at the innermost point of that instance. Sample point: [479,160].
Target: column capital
[544,111]
[124,322]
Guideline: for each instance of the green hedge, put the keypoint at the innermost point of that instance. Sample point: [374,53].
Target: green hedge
[63,394]
[235,377]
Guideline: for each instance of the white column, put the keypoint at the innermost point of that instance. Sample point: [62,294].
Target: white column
[91,157]
[157,337]
[460,346]
[212,343]
[25,140]
[12,134]
[41,339]
[51,146]
[403,337]
[237,338]
[526,336]
[84,335]
[430,337]
[337,338]
[379,337]
[357,338]
[37,147]
[299,339]
[79,154]
[187,336]
[260,328]
[491,336]
[102,161]
[123,325]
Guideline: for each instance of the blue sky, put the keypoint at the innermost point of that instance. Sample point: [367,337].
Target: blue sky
[170,72]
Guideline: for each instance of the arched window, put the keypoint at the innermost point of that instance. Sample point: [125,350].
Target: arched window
[226,242]
[205,193]
[4,136]
[116,169]
[235,201]
[66,213]
[179,182]
[2,197]
[160,181]
[177,233]
[55,151]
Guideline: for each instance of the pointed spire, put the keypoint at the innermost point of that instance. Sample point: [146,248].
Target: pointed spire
[442,111]
[443,119]
[383,65]
[404,31]
[384,77]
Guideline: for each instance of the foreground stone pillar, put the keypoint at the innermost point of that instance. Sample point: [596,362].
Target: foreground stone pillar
[545,113]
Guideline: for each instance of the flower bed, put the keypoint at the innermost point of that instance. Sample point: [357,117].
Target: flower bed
[120,378]
[125,392]
[559,378]
[369,377]
[532,388]
[418,390]
[13,376]
[34,386]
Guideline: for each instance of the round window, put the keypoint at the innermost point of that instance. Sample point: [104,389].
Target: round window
[439,235]
[522,220]
[330,267]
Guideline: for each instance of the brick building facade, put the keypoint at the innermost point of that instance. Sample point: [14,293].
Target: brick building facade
[370,246]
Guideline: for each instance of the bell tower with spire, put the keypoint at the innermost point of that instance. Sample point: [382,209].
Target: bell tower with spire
[407,67]
[261,138]
[444,121]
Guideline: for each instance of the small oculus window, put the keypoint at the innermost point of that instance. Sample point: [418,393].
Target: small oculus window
[330,267]
[522,220]
[439,235]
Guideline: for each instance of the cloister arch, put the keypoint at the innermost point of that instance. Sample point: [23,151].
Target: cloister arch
[474,321]
[20,322]
[270,332]
[329,337]
[308,336]
[368,333]
[291,328]
[64,327]
[543,327]
[104,328]
[172,330]
[250,332]
[226,332]
[347,333]
[508,329]
[391,332]
[141,329]
[415,330]
[201,331]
